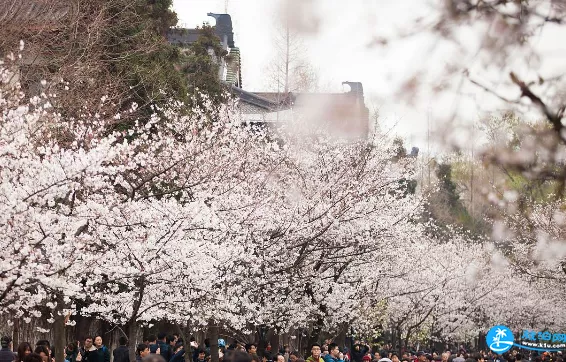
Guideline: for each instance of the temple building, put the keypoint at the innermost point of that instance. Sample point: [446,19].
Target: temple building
[344,113]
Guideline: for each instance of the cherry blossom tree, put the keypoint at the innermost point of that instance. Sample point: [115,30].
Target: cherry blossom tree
[208,223]
[99,218]
[331,209]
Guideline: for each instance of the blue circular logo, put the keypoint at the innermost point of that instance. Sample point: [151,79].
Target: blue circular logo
[500,339]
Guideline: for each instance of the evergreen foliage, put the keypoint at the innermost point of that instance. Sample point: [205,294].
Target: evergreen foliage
[110,54]
[445,205]
[202,66]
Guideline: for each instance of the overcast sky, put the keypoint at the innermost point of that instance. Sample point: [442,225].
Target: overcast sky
[338,36]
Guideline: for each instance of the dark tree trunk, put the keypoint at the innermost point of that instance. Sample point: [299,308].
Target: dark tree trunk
[213,338]
[82,327]
[396,336]
[314,336]
[133,323]
[185,333]
[132,330]
[341,337]
[16,334]
[262,340]
[60,336]
[406,343]
[274,341]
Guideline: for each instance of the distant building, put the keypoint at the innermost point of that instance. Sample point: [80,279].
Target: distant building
[344,113]
[229,70]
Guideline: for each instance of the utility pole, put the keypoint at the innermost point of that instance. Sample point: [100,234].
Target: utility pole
[226,6]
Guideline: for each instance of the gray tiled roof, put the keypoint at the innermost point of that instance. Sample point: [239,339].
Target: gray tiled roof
[23,12]
[254,99]
[276,97]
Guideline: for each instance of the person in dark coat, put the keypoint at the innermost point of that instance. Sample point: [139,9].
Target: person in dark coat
[121,354]
[153,346]
[71,352]
[172,342]
[6,353]
[88,353]
[164,348]
[103,352]
[179,355]
[359,351]
[142,350]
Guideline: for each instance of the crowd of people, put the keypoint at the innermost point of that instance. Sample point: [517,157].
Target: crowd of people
[92,351]
[331,352]
[171,348]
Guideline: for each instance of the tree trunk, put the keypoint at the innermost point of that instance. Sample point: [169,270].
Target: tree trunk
[16,334]
[262,340]
[133,323]
[82,327]
[287,341]
[409,330]
[185,334]
[60,336]
[314,336]
[350,338]
[341,337]
[132,328]
[397,337]
[274,341]
[213,338]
